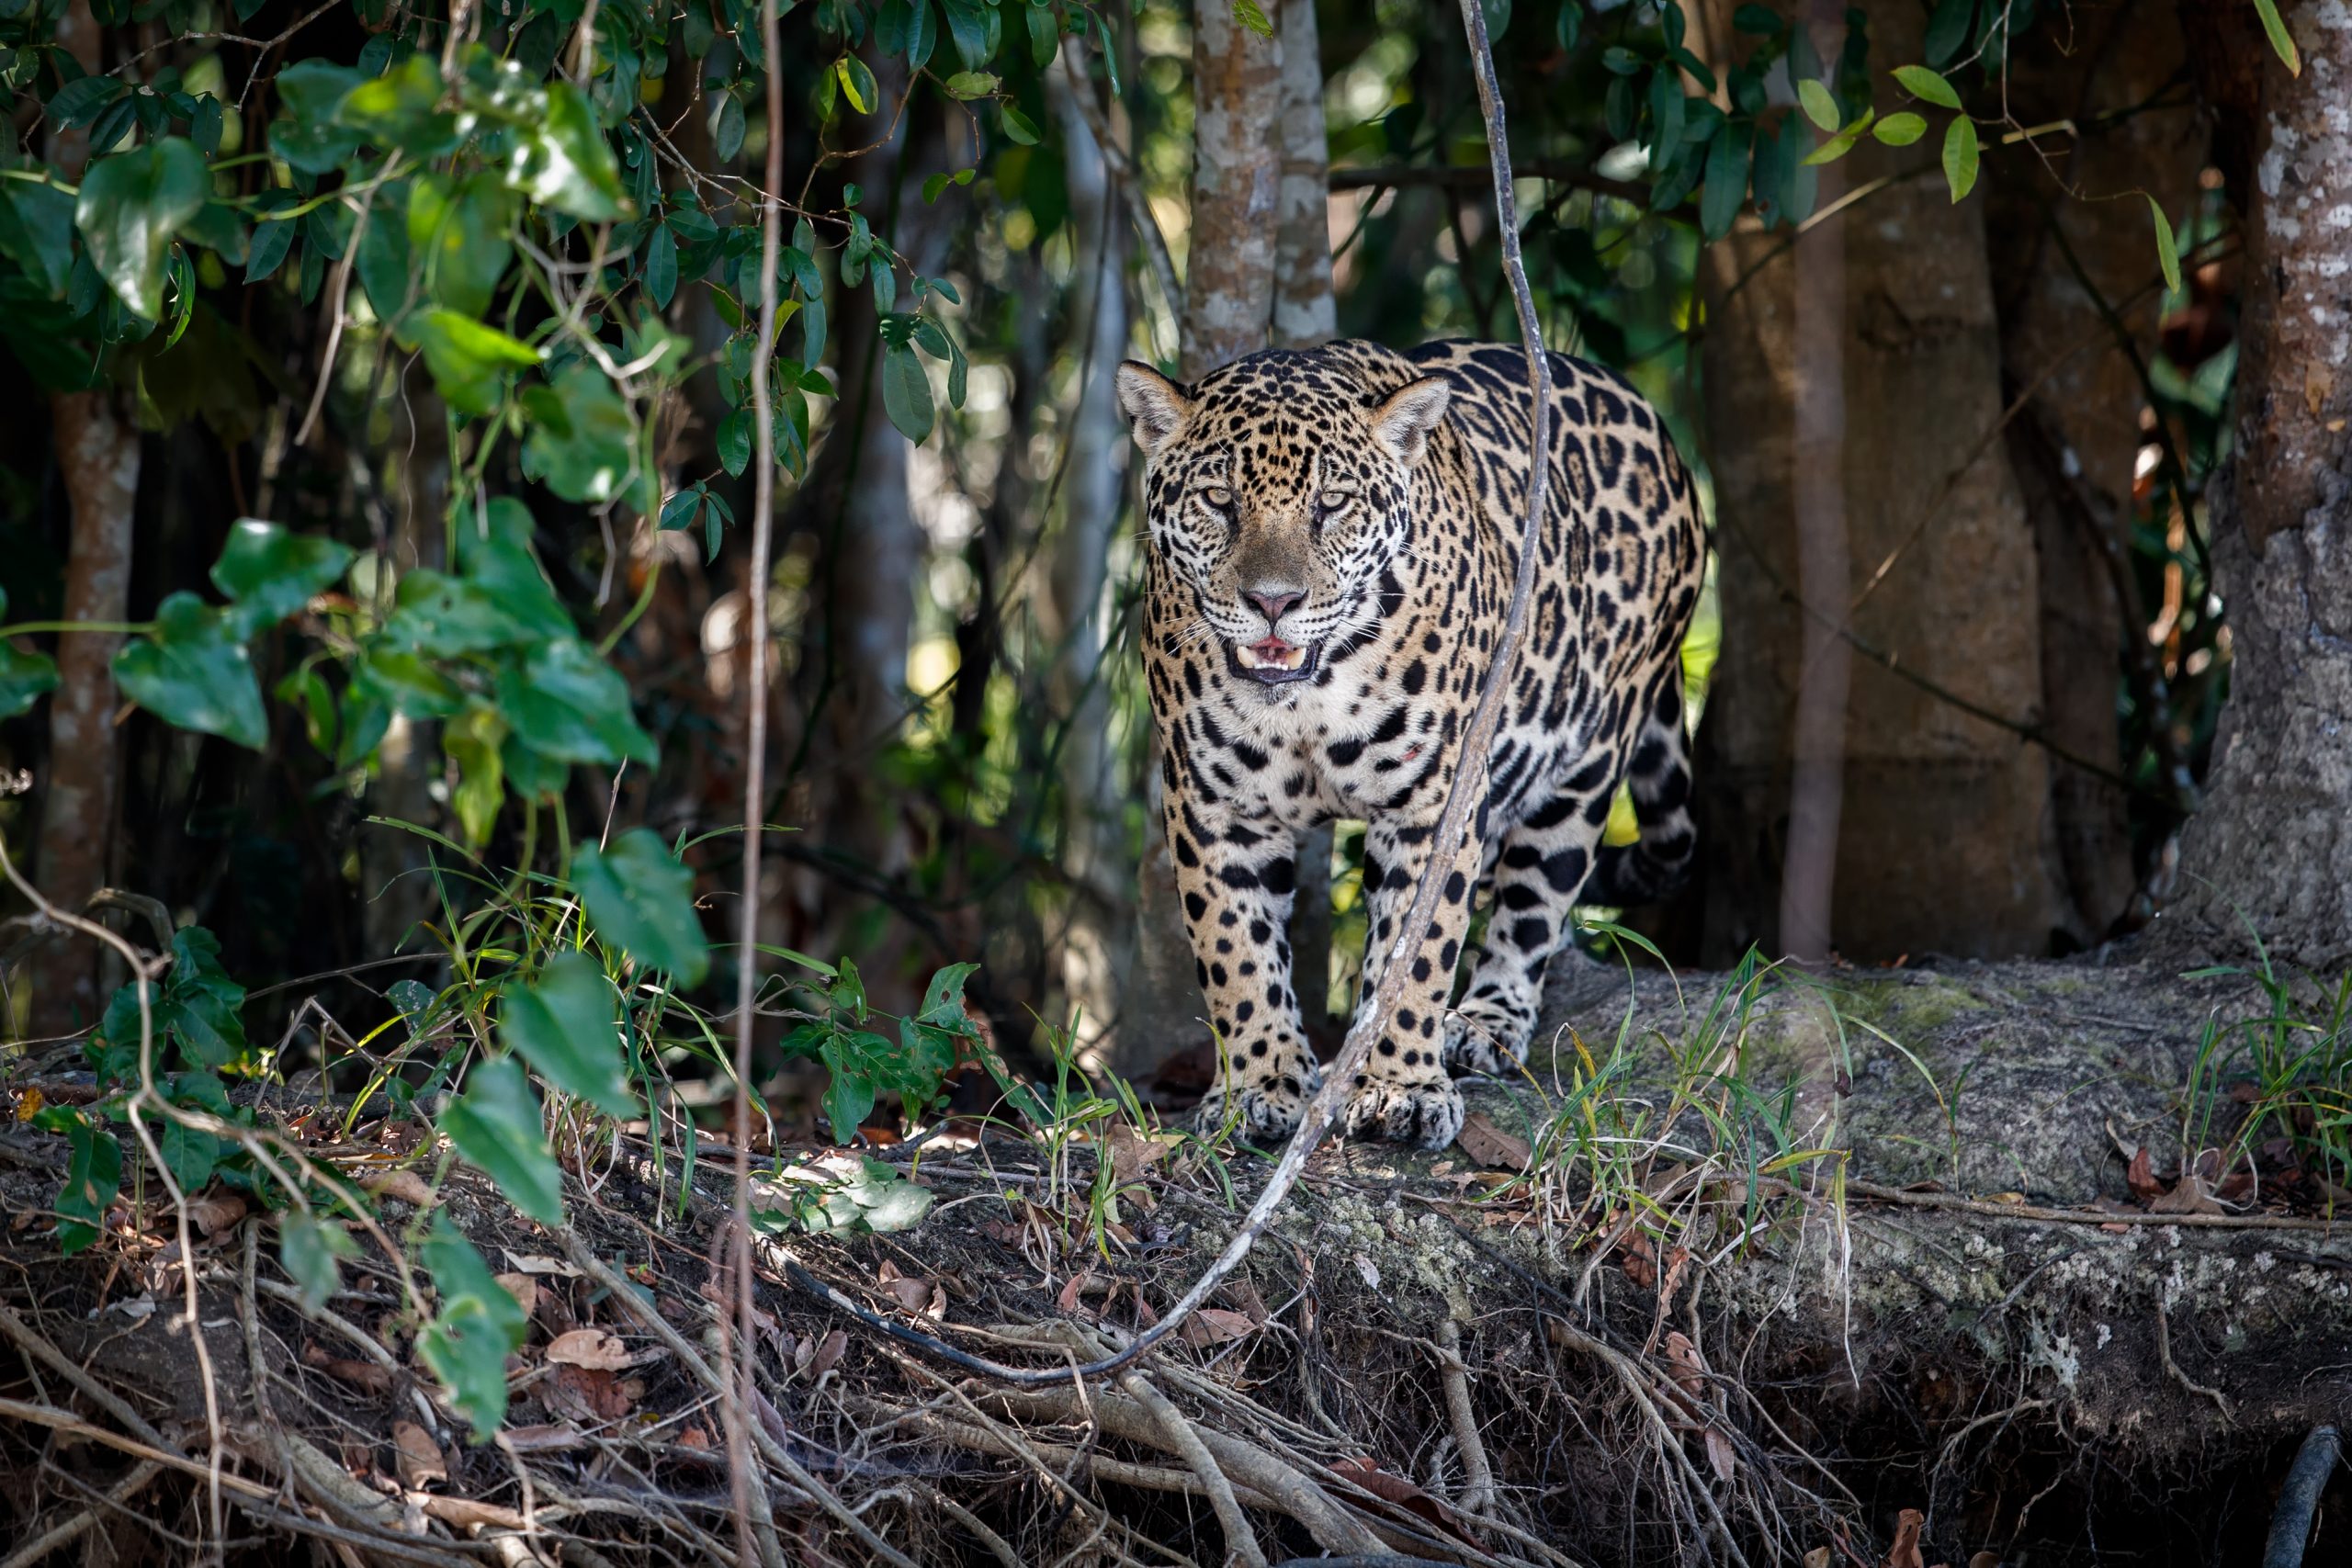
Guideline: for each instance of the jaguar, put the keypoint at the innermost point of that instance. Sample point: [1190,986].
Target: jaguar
[1333,536]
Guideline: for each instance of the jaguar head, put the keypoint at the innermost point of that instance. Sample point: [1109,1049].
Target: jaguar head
[1278,492]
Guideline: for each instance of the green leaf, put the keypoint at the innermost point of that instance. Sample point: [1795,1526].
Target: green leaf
[190,1153]
[1960,157]
[37,234]
[2167,248]
[460,234]
[311,1248]
[93,1177]
[2281,40]
[474,743]
[875,1201]
[567,703]
[469,361]
[1045,35]
[735,442]
[309,139]
[563,161]
[922,34]
[272,574]
[1251,15]
[77,103]
[1837,146]
[564,1025]
[465,1346]
[405,683]
[583,440]
[968,29]
[1726,181]
[447,617]
[968,85]
[1948,28]
[641,897]
[24,676]
[273,240]
[727,127]
[401,110]
[1820,107]
[496,1125]
[194,672]
[131,206]
[661,266]
[1923,84]
[906,391]
[1017,126]
[857,83]
[1900,129]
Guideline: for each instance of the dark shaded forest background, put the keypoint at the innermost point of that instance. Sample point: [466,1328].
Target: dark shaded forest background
[2032,427]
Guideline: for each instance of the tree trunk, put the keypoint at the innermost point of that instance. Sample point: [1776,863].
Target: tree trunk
[1093,809]
[98,457]
[1229,304]
[2073,446]
[1941,844]
[1304,313]
[2270,856]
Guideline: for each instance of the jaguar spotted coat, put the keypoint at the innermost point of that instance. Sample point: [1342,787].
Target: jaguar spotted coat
[1333,536]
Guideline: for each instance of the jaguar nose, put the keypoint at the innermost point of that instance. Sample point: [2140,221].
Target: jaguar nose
[1273,601]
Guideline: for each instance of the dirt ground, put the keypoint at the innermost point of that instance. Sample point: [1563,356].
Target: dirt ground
[1850,1250]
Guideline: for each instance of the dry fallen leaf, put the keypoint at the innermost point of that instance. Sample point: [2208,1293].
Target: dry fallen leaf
[1215,1326]
[590,1394]
[531,1263]
[1369,1270]
[2192,1196]
[1491,1145]
[419,1457]
[1720,1454]
[1132,1154]
[548,1437]
[594,1348]
[1818,1558]
[405,1185]
[1071,1290]
[523,1288]
[1905,1552]
[359,1375]
[826,1355]
[215,1212]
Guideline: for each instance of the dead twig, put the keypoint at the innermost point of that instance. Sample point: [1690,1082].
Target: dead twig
[1240,1541]
[1453,1376]
[2172,1369]
[75,1529]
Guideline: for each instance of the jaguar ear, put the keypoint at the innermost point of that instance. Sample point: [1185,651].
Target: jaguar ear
[1156,407]
[1405,421]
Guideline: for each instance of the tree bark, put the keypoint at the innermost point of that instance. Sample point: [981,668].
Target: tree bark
[1098,931]
[98,458]
[2271,855]
[1305,313]
[1941,843]
[1229,305]
[2074,446]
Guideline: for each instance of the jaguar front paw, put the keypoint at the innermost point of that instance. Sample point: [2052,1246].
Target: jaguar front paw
[1477,1042]
[1263,1113]
[1427,1115]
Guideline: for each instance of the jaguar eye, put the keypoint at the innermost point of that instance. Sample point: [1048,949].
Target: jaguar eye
[1218,497]
[1331,502]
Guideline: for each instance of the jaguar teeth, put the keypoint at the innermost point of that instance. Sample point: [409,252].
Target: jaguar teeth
[1287,657]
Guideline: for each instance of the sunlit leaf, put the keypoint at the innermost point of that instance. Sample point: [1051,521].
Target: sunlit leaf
[582,440]
[564,161]
[1927,85]
[567,703]
[1900,129]
[1820,107]
[469,361]
[1960,157]
[271,573]
[2281,39]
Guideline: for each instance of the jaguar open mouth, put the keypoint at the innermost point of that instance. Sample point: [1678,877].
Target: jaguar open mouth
[1271,662]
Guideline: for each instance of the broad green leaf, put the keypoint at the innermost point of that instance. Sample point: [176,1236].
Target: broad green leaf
[1960,157]
[1045,35]
[383,261]
[1017,126]
[564,161]
[906,391]
[469,360]
[24,676]
[1820,107]
[77,103]
[496,1125]
[727,127]
[272,240]
[569,705]
[272,574]
[36,232]
[448,618]
[309,138]
[583,440]
[735,442]
[2167,248]
[405,683]
[131,206]
[466,1344]
[875,1201]
[1252,16]
[968,29]
[2281,40]
[194,673]
[970,85]
[460,234]
[190,1153]
[402,110]
[1929,85]
[93,1177]
[500,563]
[1837,146]
[857,83]
[922,34]
[564,1025]
[1948,28]
[311,1248]
[1900,129]
[641,897]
